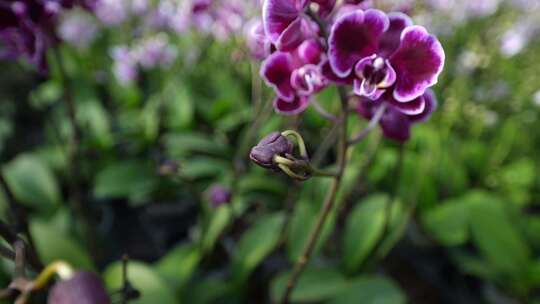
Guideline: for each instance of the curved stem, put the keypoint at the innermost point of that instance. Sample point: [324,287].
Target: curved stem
[317,106]
[60,268]
[328,202]
[372,123]
[299,140]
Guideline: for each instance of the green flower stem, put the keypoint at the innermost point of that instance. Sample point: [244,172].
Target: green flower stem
[328,202]
[60,268]
[371,124]
[299,140]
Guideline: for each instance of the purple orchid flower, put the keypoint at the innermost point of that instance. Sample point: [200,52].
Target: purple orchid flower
[27,28]
[385,53]
[284,23]
[259,45]
[295,76]
[395,122]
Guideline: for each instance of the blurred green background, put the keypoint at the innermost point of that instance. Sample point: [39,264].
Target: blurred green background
[464,225]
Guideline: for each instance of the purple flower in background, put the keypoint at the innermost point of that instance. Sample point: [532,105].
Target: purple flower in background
[295,76]
[125,65]
[27,28]
[385,53]
[257,42]
[112,12]
[155,51]
[77,28]
[396,123]
[219,195]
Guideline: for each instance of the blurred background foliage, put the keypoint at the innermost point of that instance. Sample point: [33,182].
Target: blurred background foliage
[464,225]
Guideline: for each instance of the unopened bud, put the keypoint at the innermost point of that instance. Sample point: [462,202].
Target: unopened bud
[274,144]
[82,288]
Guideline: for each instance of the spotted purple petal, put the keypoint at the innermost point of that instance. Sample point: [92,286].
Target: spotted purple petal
[279,14]
[353,37]
[276,71]
[389,42]
[418,62]
[298,105]
[413,107]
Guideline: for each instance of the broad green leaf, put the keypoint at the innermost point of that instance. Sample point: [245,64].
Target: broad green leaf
[178,265]
[496,237]
[370,290]
[145,279]
[256,244]
[363,230]
[207,291]
[314,285]
[202,167]
[448,222]
[95,118]
[261,183]
[125,179]
[302,221]
[181,145]
[52,244]
[32,182]
[399,219]
[179,108]
[219,220]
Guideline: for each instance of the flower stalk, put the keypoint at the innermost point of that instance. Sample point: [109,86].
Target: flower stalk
[328,204]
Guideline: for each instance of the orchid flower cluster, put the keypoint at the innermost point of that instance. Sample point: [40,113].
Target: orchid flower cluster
[27,28]
[389,62]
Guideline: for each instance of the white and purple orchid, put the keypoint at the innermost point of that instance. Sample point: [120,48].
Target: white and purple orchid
[385,57]
[385,53]
[295,76]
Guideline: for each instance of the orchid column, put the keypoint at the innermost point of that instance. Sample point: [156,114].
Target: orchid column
[382,64]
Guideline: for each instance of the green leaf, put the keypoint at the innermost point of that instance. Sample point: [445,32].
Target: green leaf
[363,230]
[179,108]
[448,222]
[52,244]
[32,182]
[256,244]
[95,118]
[128,179]
[314,285]
[207,291]
[370,290]
[302,221]
[201,167]
[153,288]
[181,145]
[218,222]
[178,265]
[497,238]
[399,219]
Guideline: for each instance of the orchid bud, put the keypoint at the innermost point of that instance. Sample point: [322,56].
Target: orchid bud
[82,288]
[274,144]
[219,195]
